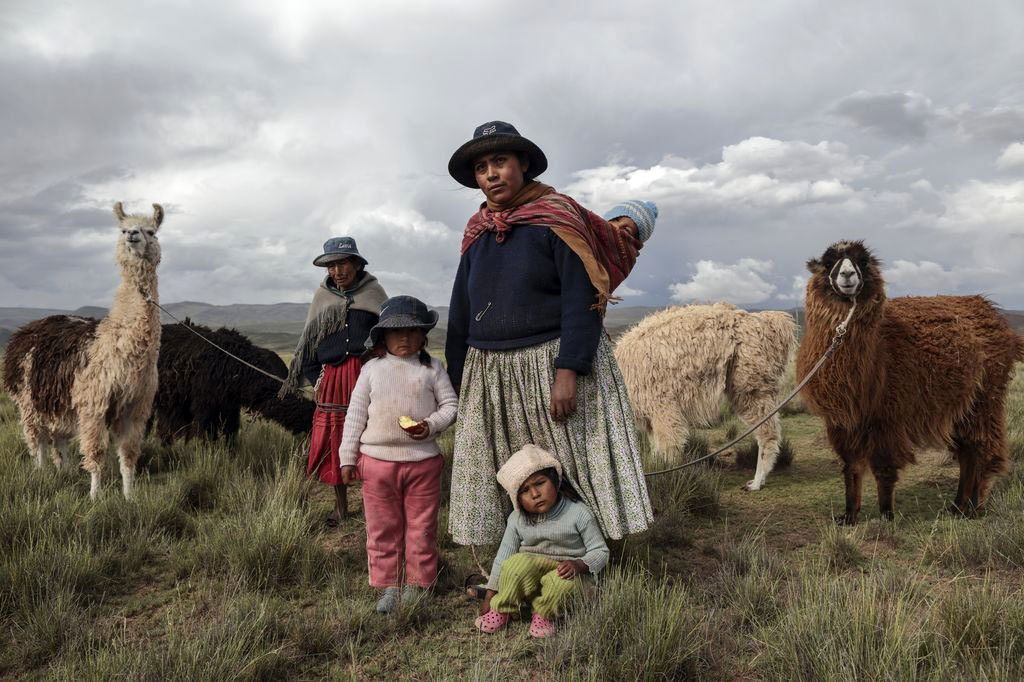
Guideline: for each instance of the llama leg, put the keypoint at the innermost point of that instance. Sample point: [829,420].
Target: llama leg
[44,451]
[232,423]
[886,476]
[62,446]
[34,442]
[963,492]
[93,440]
[853,472]
[992,452]
[55,454]
[979,443]
[767,441]
[853,478]
[129,447]
[667,434]
[966,490]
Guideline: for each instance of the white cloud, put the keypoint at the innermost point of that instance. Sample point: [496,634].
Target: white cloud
[797,291]
[740,283]
[265,128]
[57,36]
[409,253]
[913,114]
[1012,157]
[926,278]
[624,290]
[984,208]
[758,172]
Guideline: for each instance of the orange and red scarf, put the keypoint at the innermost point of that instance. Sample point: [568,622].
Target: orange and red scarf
[608,253]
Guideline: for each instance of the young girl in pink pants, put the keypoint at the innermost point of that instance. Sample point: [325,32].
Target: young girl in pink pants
[400,467]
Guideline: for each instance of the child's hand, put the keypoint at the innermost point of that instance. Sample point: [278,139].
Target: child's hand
[485,605]
[570,568]
[348,475]
[420,431]
[563,394]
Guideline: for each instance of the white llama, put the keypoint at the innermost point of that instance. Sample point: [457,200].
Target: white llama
[680,362]
[76,376]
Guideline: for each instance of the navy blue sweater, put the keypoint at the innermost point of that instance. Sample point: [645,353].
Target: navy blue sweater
[527,290]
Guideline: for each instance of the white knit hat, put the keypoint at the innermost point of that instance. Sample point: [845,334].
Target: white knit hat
[523,464]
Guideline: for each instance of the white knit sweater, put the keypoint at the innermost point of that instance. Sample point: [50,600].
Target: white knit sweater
[388,388]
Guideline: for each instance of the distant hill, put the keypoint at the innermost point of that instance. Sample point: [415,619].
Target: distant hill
[1016,318]
[277,325]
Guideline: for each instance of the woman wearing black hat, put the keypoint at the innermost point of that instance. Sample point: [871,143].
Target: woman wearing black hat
[344,309]
[525,342]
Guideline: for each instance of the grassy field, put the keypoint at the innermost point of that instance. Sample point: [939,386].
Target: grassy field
[221,569]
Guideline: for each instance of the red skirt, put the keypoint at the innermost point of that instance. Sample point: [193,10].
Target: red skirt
[328,424]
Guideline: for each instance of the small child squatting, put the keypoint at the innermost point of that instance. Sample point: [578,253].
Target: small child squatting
[551,543]
[400,468]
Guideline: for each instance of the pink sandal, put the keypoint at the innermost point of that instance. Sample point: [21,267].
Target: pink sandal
[491,622]
[541,627]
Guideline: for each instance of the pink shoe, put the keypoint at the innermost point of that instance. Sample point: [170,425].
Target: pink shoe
[491,622]
[541,627]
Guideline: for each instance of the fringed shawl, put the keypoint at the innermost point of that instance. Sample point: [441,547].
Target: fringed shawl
[327,314]
[608,253]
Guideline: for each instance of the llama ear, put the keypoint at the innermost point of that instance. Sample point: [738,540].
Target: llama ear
[158,214]
[814,266]
[119,210]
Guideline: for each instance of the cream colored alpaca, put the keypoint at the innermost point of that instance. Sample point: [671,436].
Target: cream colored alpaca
[73,376]
[679,363]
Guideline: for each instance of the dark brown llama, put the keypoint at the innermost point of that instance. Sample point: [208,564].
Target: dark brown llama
[202,390]
[912,372]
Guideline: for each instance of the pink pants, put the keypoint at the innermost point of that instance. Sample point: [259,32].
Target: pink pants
[400,501]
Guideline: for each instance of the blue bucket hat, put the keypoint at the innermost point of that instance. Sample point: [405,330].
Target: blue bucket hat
[402,312]
[494,136]
[338,248]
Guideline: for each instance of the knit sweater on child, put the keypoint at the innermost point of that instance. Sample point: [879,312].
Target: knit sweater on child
[569,531]
[390,387]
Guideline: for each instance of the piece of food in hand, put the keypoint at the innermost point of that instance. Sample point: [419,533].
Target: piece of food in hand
[407,423]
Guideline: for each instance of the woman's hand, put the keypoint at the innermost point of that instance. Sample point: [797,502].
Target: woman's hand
[571,568]
[563,394]
[485,605]
[420,431]
[348,475]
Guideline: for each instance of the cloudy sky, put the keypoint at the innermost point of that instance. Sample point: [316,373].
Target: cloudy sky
[763,130]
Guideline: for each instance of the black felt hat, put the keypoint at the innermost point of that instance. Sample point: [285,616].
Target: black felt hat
[494,136]
[402,312]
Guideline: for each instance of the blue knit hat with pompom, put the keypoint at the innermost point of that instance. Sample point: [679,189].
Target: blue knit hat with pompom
[643,213]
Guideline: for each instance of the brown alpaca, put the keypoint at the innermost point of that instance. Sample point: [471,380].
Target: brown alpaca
[75,376]
[912,372]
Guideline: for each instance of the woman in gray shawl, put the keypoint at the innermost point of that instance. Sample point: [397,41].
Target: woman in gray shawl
[344,309]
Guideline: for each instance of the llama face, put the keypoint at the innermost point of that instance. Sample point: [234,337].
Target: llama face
[846,270]
[138,240]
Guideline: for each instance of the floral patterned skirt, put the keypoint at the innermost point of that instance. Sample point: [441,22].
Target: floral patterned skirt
[504,404]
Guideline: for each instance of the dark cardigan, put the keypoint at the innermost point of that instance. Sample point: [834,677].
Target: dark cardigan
[348,341]
[527,290]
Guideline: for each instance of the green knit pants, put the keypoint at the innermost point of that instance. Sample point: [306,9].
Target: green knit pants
[531,579]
